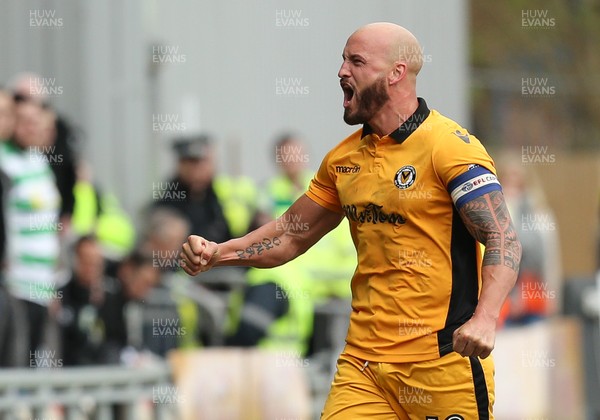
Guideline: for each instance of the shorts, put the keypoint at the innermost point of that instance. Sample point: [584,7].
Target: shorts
[449,388]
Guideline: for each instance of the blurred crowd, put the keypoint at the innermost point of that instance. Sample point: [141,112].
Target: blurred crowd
[81,283]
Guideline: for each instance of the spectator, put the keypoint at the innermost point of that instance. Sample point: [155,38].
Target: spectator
[327,280]
[219,205]
[99,213]
[286,296]
[31,206]
[62,142]
[82,330]
[136,276]
[164,230]
[191,191]
[216,205]
[293,176]
[7,325]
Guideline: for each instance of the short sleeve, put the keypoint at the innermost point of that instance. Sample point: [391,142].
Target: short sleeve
[464,167]
[322,189]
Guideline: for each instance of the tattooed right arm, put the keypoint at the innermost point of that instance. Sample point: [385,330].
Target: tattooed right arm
[272,244]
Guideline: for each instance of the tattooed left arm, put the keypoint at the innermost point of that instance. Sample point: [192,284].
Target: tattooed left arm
[488,220]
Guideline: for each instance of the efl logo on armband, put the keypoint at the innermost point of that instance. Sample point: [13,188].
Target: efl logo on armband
[474,183]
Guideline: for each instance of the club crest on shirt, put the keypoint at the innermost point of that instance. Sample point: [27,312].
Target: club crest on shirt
[405,177]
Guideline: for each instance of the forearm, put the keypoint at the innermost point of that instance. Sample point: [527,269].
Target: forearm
[489,222]
[499,270]
[265,247]
[496,283]
[273,244]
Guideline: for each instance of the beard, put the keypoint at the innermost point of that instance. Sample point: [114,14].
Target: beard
[368,103]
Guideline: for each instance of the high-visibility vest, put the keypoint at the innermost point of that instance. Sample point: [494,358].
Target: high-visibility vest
[330,263]
[238,198]
[103,216]
[290,332]
[323,271]
[281,193]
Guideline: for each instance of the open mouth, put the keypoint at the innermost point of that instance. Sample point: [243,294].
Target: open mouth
[348,93]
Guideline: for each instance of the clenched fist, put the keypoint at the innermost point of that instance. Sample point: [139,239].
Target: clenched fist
[198,255]
[476,337]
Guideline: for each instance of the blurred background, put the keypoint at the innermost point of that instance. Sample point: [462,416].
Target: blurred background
[125,126]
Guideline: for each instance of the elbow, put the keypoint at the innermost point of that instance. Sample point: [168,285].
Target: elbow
[295,246]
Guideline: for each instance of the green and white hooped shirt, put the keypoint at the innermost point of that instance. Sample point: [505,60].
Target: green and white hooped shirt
[31,211]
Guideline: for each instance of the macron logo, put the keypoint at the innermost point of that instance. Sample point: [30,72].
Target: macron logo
[347,169]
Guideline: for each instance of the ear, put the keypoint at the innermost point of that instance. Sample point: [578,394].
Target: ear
[398,73]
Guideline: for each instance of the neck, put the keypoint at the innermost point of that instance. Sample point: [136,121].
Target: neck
[393,114]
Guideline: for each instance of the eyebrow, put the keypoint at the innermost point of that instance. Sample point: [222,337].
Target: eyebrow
[354,57]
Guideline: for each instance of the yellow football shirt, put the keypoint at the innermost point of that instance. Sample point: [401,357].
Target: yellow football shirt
[418,274]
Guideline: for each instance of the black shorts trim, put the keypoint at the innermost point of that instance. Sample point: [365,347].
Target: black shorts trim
[480,387]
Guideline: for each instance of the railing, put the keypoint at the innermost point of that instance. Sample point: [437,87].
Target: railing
[86,393]
[148,393]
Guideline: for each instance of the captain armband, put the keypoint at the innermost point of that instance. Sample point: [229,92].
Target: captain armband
[474,183]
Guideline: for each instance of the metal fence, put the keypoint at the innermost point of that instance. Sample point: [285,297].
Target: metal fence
[98,393]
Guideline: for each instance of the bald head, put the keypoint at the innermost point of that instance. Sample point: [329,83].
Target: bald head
[378,76]
[394,42]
